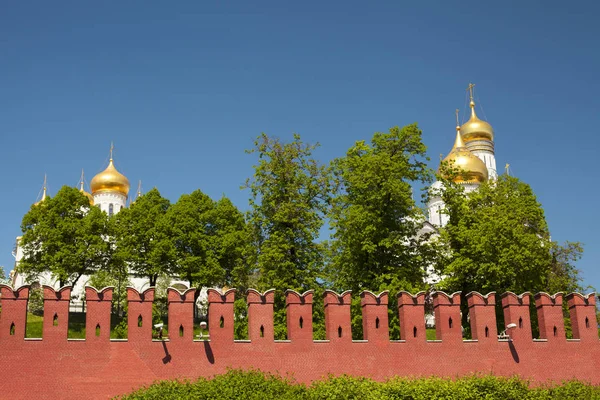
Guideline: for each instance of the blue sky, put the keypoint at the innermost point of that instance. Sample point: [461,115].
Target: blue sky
[182,88]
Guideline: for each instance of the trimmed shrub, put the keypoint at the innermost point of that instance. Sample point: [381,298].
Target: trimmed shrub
[249,385]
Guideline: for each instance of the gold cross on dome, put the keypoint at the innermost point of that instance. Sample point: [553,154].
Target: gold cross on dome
[470,89]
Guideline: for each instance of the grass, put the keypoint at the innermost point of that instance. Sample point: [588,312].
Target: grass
[34,326]
[35,323]
[430,334]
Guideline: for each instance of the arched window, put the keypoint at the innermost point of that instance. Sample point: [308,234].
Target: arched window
[110,210]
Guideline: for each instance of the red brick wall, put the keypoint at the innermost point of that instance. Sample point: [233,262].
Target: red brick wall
[97,367]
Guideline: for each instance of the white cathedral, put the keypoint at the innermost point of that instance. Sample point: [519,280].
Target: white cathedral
[109,192]
[472,154]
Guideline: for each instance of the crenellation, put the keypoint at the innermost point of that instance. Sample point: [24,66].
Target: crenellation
[482,316]
[181,315]
[516,311]
[299,315]
[97,319]
[260,316]
[550,316]
[447,316]
[582,310]
[221,315]
[375,316]
[338,326]
[139,314]
[56,313]
[13,317]
[411,312]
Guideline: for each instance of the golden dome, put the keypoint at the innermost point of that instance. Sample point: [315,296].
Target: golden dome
[82,190]
[476,129]
[110,180]
[42,199]
[43,194]
[471,168]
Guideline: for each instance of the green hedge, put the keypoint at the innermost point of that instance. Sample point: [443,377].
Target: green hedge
[248,385]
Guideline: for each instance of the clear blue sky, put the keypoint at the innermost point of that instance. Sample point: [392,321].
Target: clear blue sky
[182,88]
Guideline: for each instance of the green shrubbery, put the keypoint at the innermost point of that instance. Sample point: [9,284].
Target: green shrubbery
[257,385]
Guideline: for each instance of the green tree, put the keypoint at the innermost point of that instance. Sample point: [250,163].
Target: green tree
[3,279]
[233,243]
[497,239]
[105,278]
[141,237]
[376,243]
[209,239]
[65,236]
[563,275]
[290,194]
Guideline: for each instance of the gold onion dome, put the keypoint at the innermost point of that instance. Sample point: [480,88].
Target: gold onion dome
[471,168]
[476,129]
[43,194]
[37,203]
[82,190]
[110,180]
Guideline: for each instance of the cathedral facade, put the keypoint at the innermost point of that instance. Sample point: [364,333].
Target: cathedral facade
[473,155]
[110,192]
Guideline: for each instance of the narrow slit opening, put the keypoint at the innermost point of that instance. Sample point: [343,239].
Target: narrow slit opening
[487,332]
[587,322]
[415,331]
[180,330]
[140,321]
[97,329]
[450,322]
[12,328]
[520,322]
[555,330]
[339,331]
[377,323]
[55,320]
[262,331]
[301,322]
[221,322]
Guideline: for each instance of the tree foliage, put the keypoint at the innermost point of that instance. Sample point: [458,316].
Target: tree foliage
[3,279]
[141,237]
[375,244]
[498,240]
[563,275]
[209,239]
[105,278]
[65,236]
[290,193]
[258,385]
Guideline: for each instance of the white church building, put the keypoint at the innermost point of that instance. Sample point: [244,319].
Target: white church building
[109,192]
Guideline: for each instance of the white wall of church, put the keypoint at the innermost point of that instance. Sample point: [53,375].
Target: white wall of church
[110,202]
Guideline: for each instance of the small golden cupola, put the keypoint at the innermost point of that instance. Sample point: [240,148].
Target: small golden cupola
[471,168]
[43,193]
[82,190]
[110,180]
[475,128]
